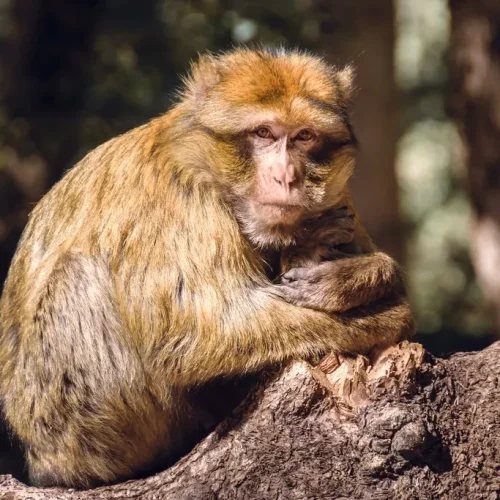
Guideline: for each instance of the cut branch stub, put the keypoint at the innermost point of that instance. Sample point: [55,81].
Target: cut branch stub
[353,380]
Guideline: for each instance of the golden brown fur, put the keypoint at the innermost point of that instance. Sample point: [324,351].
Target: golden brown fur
[142,273]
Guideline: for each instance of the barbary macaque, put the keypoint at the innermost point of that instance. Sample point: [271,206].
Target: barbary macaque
[211,242]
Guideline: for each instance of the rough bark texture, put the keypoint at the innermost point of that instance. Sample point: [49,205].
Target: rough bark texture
[401,425]
[475,71]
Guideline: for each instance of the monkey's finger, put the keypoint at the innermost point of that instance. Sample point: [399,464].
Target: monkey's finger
[297,273]
[303,296]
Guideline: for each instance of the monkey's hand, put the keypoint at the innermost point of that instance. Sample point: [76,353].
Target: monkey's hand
[321,238]
[343,284]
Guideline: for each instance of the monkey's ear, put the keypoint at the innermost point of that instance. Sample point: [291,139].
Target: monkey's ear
[204,75]
[345,79]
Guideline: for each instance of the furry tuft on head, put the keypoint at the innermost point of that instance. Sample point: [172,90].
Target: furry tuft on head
[244,73]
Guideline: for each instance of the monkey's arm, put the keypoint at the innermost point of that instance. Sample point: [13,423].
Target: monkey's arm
[276,331]
[257,328]
[343,284]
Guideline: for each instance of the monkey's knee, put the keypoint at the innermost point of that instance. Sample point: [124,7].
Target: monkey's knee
[48,470]
[86,460]
[380,324]
[66,471]
[41,476]
[407,322]
[396,320]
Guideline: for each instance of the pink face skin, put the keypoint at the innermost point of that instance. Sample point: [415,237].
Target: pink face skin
[277,151]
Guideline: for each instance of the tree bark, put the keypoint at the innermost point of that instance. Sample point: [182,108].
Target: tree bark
[400,425]
[475,71]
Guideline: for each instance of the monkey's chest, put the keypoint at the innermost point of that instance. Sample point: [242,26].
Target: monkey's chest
[271,262]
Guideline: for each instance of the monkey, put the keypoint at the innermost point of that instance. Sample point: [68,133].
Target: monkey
[214,241]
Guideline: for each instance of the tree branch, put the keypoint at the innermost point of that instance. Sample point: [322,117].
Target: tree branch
[400,425]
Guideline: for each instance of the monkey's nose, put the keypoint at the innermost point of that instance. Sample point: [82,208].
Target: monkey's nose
[281,180]
[284,177]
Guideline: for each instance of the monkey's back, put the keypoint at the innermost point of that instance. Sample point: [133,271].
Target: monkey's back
[72,332]
[95,210]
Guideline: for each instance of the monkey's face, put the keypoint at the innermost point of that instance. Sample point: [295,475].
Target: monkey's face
[286,146]
[298,170]
[279,153]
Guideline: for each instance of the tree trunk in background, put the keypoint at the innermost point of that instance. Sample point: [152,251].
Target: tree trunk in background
[369,44]
[475,71]
[408,426]
[44,72]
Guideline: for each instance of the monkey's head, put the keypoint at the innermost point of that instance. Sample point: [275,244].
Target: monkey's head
[285,144]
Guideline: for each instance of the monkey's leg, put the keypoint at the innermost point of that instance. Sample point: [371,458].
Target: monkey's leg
[344,284]
[79,398]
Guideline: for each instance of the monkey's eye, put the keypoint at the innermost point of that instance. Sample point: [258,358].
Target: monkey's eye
[263,133]
[304,135]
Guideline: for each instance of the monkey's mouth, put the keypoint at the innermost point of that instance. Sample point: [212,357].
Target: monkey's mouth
[281,213]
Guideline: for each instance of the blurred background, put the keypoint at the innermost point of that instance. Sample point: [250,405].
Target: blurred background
[74,73]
